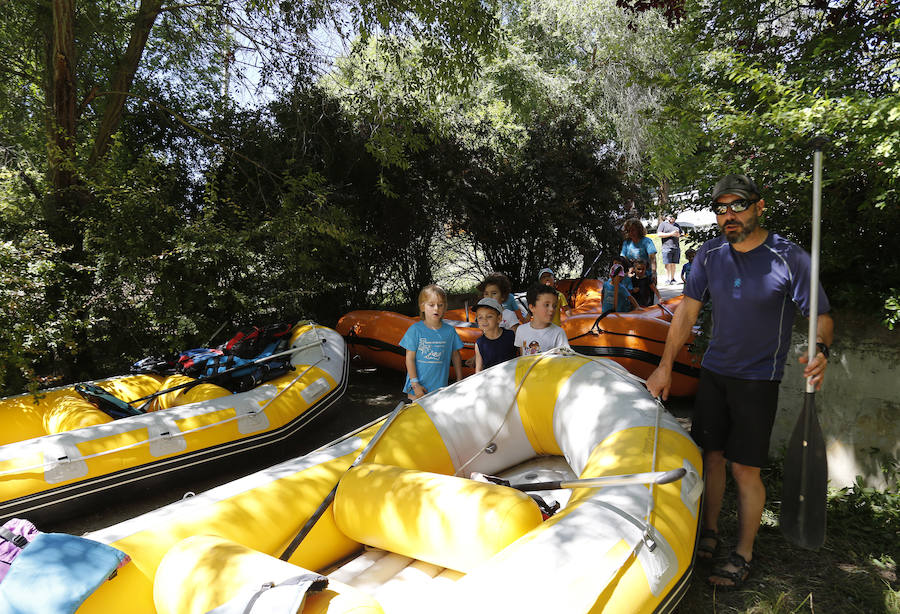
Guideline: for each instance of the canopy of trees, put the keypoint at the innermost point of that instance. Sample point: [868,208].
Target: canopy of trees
[166,168]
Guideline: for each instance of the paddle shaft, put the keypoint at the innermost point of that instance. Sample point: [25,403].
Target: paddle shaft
[213,336]
[803,508]
[311,522]
[652,477]
[813,323]
[226,372]
[814,261]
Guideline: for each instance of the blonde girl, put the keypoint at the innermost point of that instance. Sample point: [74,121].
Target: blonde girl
[431,346]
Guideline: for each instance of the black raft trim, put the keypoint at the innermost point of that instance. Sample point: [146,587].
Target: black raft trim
[648,357]
[375,344]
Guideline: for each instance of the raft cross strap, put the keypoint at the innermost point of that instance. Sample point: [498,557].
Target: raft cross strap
[314,518]
[651,477]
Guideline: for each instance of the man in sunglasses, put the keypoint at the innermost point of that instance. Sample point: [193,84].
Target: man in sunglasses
[755,281]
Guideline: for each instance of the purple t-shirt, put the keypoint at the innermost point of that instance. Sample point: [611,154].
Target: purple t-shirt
[753,296]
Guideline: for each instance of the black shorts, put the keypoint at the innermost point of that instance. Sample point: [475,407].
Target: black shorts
[671,256]
[736,416]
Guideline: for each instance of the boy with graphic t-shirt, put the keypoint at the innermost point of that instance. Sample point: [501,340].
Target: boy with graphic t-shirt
[540,334]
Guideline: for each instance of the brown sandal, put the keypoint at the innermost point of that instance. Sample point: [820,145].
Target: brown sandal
[706,551]
[737,577]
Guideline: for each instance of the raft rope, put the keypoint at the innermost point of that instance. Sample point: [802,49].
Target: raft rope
[491,447]
[646,539]
[166,436]
[595,331]
[651,503]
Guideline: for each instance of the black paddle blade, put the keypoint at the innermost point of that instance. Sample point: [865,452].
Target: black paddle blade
[805,486]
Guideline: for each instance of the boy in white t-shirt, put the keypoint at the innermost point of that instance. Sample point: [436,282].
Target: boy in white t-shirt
[540,334]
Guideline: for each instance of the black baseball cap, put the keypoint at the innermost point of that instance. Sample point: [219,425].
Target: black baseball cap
[740,185]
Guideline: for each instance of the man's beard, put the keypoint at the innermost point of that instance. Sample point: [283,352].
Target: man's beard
[736,236]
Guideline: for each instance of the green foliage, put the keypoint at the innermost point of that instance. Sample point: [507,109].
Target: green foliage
[862,513]
[182,222]
[892,309]
[28,266]
[501,135]
[552,203]
[760,85]
[855,570]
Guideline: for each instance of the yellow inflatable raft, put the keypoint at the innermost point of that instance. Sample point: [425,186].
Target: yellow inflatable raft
[409,532]
[60,454]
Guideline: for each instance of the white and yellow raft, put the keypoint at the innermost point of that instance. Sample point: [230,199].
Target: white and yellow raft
[60,453]
[404,534]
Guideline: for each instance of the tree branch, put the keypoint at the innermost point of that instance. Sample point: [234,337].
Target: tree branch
[32,186]
[184,122]
[87,100]
[121,82]
[177,7]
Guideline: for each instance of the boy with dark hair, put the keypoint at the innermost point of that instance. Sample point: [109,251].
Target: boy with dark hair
[686,269]
[548,278]
[540,334]
[498,287]
[643,286]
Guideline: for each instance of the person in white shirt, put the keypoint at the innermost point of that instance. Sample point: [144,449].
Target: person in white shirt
[540,334]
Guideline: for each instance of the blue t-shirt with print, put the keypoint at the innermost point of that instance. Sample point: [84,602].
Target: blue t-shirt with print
[434,349]
[753,296]
[640,250]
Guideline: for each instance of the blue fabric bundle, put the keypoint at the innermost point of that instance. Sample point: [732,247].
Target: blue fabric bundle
[55,573]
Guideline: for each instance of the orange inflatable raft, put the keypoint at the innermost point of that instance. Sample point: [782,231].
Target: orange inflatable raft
[634,339]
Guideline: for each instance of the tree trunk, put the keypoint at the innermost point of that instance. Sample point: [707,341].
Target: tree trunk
[61,205]
[121,81]
[662,201]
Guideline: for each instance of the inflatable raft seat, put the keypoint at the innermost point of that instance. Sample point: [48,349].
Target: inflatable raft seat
[203,572]
[55,412]
[443,520]
[72,412]
[200,392]
[62,410]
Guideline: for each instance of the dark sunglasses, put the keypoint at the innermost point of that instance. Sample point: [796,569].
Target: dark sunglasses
[741,204]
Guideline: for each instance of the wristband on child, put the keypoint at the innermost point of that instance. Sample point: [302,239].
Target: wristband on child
[414,380]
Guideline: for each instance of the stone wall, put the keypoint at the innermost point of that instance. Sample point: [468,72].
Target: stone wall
[858,405]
